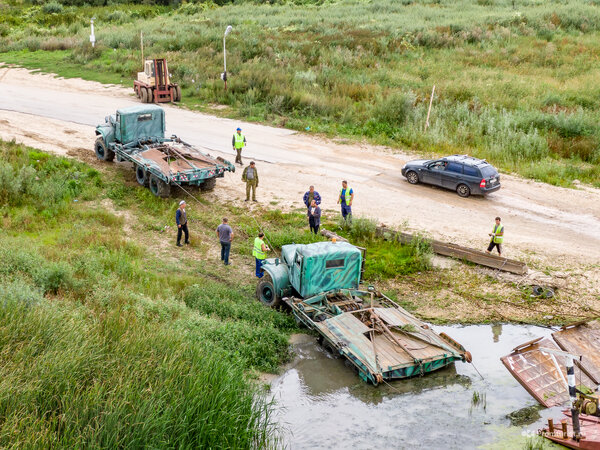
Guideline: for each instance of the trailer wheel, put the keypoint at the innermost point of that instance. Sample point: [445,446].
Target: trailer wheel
[265,292]
[208,185]
[141,175]
[103,153]
[158,187]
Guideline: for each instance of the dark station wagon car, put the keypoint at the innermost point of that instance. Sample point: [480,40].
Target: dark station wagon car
[461,173]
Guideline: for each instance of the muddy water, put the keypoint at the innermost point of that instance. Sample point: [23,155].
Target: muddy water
[322,404]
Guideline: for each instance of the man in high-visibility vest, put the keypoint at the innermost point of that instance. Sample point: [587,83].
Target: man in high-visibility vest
[238,142]
[345,198]
[497,235]
[260,253]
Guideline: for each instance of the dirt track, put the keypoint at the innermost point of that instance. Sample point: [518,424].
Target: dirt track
[545,225]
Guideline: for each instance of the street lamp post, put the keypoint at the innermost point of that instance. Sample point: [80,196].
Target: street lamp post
[224,74]
[92,37]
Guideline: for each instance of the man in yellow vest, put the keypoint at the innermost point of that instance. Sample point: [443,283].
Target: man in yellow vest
[345,198]
[238,142]
[260,253]
[497,235]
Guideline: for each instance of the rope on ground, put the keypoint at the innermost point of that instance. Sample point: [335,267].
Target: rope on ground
[260,228]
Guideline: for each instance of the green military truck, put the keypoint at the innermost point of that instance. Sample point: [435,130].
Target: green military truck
[382,341]
[137,135]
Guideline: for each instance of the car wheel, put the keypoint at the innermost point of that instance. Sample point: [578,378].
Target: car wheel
[463,190]
[412,177]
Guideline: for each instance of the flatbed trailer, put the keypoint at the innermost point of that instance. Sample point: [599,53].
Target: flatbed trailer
[381,340]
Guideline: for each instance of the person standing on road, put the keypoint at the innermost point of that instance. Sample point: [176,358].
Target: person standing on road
[311,195]
[250,176]
[225,235]
[314,217]
[497,235]
[238,142]
[260,253]
[345,198]
[181,220]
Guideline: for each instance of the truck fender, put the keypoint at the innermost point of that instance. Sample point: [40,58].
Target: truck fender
[279,274]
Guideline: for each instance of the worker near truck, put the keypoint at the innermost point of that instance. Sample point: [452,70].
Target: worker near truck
[311,195]
[225,235]
[497,236]
[260,253]
[345,199]
[238,142]
[181,221]
[314,217]
[250,177]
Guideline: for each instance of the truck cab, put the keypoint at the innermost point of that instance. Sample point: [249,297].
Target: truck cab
[308,270]
[132,124]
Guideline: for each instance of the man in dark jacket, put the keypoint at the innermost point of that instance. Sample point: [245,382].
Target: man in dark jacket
[311,195]
[314,217]
[250,177]
[181,220]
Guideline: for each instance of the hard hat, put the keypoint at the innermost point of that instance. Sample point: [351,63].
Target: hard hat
[239,129]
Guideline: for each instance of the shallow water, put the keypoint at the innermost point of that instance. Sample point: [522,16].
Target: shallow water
[323,404]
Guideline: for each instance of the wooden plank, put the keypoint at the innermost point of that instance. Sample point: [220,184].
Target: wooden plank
[460,252]
[583,339]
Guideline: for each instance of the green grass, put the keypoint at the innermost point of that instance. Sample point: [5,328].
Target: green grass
[103,342]
[515,80]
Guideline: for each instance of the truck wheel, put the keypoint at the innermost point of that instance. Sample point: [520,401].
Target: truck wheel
[178,90]
[208,185]
[141,175]
[265,292]
[412,177]
[103,153]
[158,187]
[463,190]
[150,95]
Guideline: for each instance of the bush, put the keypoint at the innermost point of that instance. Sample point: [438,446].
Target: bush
[52,8]
[394,110]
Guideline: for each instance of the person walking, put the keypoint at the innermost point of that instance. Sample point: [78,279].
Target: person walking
[260,253]
[497,235]
[238,142]
[345,198]
[314,217]
[225,235]
[181,220]
[250,176]
[311,195]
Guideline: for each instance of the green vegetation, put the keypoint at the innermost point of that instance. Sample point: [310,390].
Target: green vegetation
[103,342]
[109,338]
[515,79]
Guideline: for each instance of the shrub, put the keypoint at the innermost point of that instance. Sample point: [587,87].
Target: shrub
[52,8]
[394,110]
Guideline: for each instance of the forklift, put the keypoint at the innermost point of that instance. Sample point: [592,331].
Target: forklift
[153,84]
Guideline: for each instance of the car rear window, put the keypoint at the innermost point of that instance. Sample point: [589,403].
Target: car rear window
[454,167]
[472,171]
[488,171]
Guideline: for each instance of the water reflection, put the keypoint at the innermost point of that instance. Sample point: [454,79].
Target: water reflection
[323,404]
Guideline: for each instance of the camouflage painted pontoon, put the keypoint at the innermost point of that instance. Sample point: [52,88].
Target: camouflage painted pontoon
[320,283]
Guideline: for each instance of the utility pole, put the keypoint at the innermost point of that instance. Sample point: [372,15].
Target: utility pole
[224,74]
[429,110]
[92,37]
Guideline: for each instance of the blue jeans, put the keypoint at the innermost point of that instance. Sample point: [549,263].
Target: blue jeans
[346,210]
[259,272]
[225,248]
